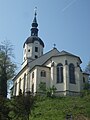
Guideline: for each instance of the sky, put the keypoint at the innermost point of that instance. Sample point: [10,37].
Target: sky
[65,23]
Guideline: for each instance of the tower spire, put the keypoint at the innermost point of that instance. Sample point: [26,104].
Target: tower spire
[34,29]
[35,11]
[35,14]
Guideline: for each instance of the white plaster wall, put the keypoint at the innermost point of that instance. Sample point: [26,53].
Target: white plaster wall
[21,76]
[32,53]
[43,79]
[37,78]
[51,74]
[65,86]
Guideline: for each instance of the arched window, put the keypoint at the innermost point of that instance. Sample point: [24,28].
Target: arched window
[32,75]
[19,84]
[43,73]
[71,73]
[33,88]
[24,83]
[83,79]
[15,88]
[59,73]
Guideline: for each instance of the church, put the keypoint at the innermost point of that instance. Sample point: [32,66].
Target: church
[54,68]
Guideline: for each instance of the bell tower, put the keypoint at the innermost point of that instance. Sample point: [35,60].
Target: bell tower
[33,46]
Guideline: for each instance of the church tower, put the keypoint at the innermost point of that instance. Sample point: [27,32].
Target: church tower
[33,46]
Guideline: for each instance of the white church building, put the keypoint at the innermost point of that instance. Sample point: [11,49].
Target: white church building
[59,68]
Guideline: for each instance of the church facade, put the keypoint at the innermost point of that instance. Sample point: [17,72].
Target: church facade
[54,68]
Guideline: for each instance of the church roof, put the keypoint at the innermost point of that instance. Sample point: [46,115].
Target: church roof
[85,73]
[42,59]
[63,53]
[31,39]
[39,61]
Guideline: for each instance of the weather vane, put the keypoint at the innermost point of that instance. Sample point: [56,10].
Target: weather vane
[54,45]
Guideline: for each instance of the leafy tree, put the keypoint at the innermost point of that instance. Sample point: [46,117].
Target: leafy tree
[87,69]
[21,106]
[4,109]
[51,91]
[42,87]
[48,91]
[7,67]
[87,86]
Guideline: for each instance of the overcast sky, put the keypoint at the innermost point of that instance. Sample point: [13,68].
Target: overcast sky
[63,22]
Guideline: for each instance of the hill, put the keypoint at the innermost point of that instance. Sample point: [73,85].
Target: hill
[58,108]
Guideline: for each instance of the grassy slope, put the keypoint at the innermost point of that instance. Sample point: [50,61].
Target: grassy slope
[57,108]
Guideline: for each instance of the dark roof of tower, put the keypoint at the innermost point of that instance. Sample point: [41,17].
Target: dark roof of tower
[31,39]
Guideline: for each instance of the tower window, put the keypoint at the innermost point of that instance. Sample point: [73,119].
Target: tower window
[36,56]
[36,49]
[28,50]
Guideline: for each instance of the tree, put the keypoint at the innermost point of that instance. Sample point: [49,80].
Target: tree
[87,69]
[51,91]
[42,87]
[4,109]
[7,67]
[21,106]
[87,86]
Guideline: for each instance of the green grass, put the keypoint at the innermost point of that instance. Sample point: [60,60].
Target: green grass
[57,108]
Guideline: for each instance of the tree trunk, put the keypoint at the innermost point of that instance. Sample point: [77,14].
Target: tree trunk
[3,86]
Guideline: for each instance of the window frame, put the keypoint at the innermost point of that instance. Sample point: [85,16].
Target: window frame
[36,49]
[24,83]
[59,73]
[83,79]
[32,75]
[43,73]
[36,56]
[28,50]
[19,83]
[72,73]
[15,89]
